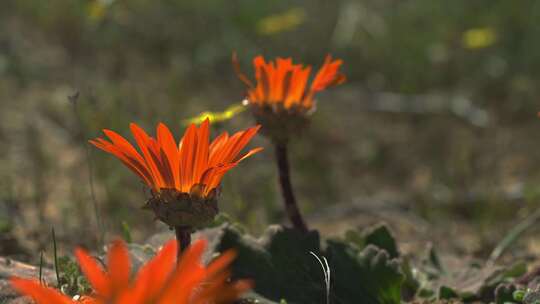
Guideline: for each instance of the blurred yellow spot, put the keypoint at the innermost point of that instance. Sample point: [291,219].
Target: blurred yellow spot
[477,38]
[229,113]
[285,21]
[97,9]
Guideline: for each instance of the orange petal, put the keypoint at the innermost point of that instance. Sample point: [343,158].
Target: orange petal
[138,168]
[236,143]
[166,170]
[162,163]
[168,144]
[327,75]
[216,147]
[127,149]
[221,263]
[207,177]
[298,86]
[201,156]
[118,263]
[220,156]
[249,153]
[192,256]
[187,277]
[153,276]
[93,273]
[214,179]
[243,141]
[187,156]
[261,75]
[213,176]
[144,143]
[283,69]
[217,289]
[122,143]
[38,292]
[238,71]
[270,72]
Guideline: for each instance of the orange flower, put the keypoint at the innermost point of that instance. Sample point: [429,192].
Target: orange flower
[160,281]
[285,85]
[184,178]
[193,163]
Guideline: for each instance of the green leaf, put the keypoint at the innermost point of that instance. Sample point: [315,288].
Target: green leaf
[519,295]
[126,232]
[411,284]
[279,262]
[476,283]
[71,280]
[282,267]
[434,260]
[381,237]
[378,235]
[369,276]
[504,293]
[447,293]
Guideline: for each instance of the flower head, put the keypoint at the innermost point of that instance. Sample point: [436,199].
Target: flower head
[284,85]
[183,177]
[160,281]
[281,96]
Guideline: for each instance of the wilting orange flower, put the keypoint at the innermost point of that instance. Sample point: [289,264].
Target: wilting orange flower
[285,85]
[194,165]
[160,281]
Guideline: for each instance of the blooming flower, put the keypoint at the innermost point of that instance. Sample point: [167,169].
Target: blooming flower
[194,165]
[284,85]
[159,281]
[281,97]
[184,178]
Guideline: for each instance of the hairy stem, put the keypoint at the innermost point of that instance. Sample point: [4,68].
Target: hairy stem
[291,207]
[183,236]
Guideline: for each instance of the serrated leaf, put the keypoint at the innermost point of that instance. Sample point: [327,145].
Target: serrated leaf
[381,237]
[282,267]
[478,283]
[279,262]
[368,277]
[378,235]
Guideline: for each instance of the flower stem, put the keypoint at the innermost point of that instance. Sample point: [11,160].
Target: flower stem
[291,207]
[183,237]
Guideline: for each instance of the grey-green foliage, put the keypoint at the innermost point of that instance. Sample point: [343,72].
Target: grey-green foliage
[71,280]
[279,263]
[369,276]
[504,293]
[378,235]
[511,295]
[282,267]
[471,281]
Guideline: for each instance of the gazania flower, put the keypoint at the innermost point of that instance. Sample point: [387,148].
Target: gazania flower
[281,96]
[281,100]
[183,177]
[285,85]
[157,282]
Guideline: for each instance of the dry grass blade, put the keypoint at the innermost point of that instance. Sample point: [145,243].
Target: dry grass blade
[326,271]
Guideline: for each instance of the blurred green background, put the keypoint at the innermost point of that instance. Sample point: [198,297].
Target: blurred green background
[437,118]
